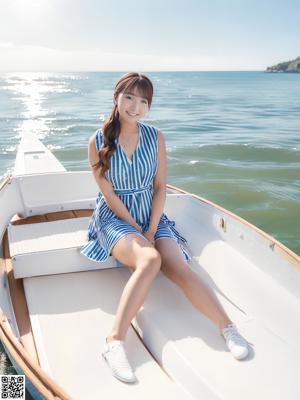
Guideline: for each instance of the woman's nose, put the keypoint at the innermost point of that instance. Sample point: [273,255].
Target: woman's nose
[135,107]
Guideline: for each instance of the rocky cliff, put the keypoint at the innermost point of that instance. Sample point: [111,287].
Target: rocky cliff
[287,66]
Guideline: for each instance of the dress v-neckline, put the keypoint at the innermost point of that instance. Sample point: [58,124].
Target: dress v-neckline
[136,147]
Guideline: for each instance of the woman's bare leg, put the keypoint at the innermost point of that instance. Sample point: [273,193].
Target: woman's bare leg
[140,256]
[199,294]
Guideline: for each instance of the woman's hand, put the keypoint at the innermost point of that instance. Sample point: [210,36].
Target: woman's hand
[138,228]
[149,234]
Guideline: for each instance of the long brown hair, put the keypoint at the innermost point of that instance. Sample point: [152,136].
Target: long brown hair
[111,127]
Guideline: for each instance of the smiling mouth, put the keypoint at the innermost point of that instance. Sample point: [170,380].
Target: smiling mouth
[131,115]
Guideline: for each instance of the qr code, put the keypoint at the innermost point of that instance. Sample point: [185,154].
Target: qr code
[12,387]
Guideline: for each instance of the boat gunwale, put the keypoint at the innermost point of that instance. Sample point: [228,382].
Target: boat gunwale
[5,181]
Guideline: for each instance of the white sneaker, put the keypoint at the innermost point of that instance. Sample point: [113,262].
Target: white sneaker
[115,356]
[237,345]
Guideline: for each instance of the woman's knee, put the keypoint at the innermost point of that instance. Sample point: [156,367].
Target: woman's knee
[149,260]
[178,273]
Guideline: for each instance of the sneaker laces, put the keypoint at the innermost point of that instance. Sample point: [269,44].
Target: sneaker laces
[231,334]
[118,352]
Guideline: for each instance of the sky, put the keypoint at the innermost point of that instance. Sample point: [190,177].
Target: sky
[147,35]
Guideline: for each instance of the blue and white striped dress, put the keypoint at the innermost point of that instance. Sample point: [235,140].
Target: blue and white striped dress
[132,181]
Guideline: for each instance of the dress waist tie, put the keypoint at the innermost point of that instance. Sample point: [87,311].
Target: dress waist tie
[133,192]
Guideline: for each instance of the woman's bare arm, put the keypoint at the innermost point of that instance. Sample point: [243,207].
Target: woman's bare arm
[159,185]
[111,199]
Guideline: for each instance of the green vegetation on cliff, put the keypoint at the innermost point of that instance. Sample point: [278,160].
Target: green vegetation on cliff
[287,66]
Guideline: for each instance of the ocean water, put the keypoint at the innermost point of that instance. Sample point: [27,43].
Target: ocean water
[232,137]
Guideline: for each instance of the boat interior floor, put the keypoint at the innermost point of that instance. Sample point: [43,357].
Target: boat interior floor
[72,313]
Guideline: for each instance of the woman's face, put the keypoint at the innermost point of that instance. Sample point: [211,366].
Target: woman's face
[131,106]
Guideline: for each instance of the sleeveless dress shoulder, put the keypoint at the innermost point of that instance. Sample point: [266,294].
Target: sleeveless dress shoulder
[132,181]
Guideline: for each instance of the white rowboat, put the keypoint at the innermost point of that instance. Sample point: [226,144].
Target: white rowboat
[57,306]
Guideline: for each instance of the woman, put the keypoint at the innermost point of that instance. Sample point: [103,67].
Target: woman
[128,160]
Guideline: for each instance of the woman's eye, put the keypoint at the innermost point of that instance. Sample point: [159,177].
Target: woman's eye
[128,97]
[145,101]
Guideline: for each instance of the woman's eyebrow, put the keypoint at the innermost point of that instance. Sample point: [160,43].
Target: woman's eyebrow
[135,95]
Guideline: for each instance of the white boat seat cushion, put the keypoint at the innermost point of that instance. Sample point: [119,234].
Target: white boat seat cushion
[51,248]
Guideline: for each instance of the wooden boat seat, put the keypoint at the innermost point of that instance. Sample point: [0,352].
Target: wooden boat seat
[51,248]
